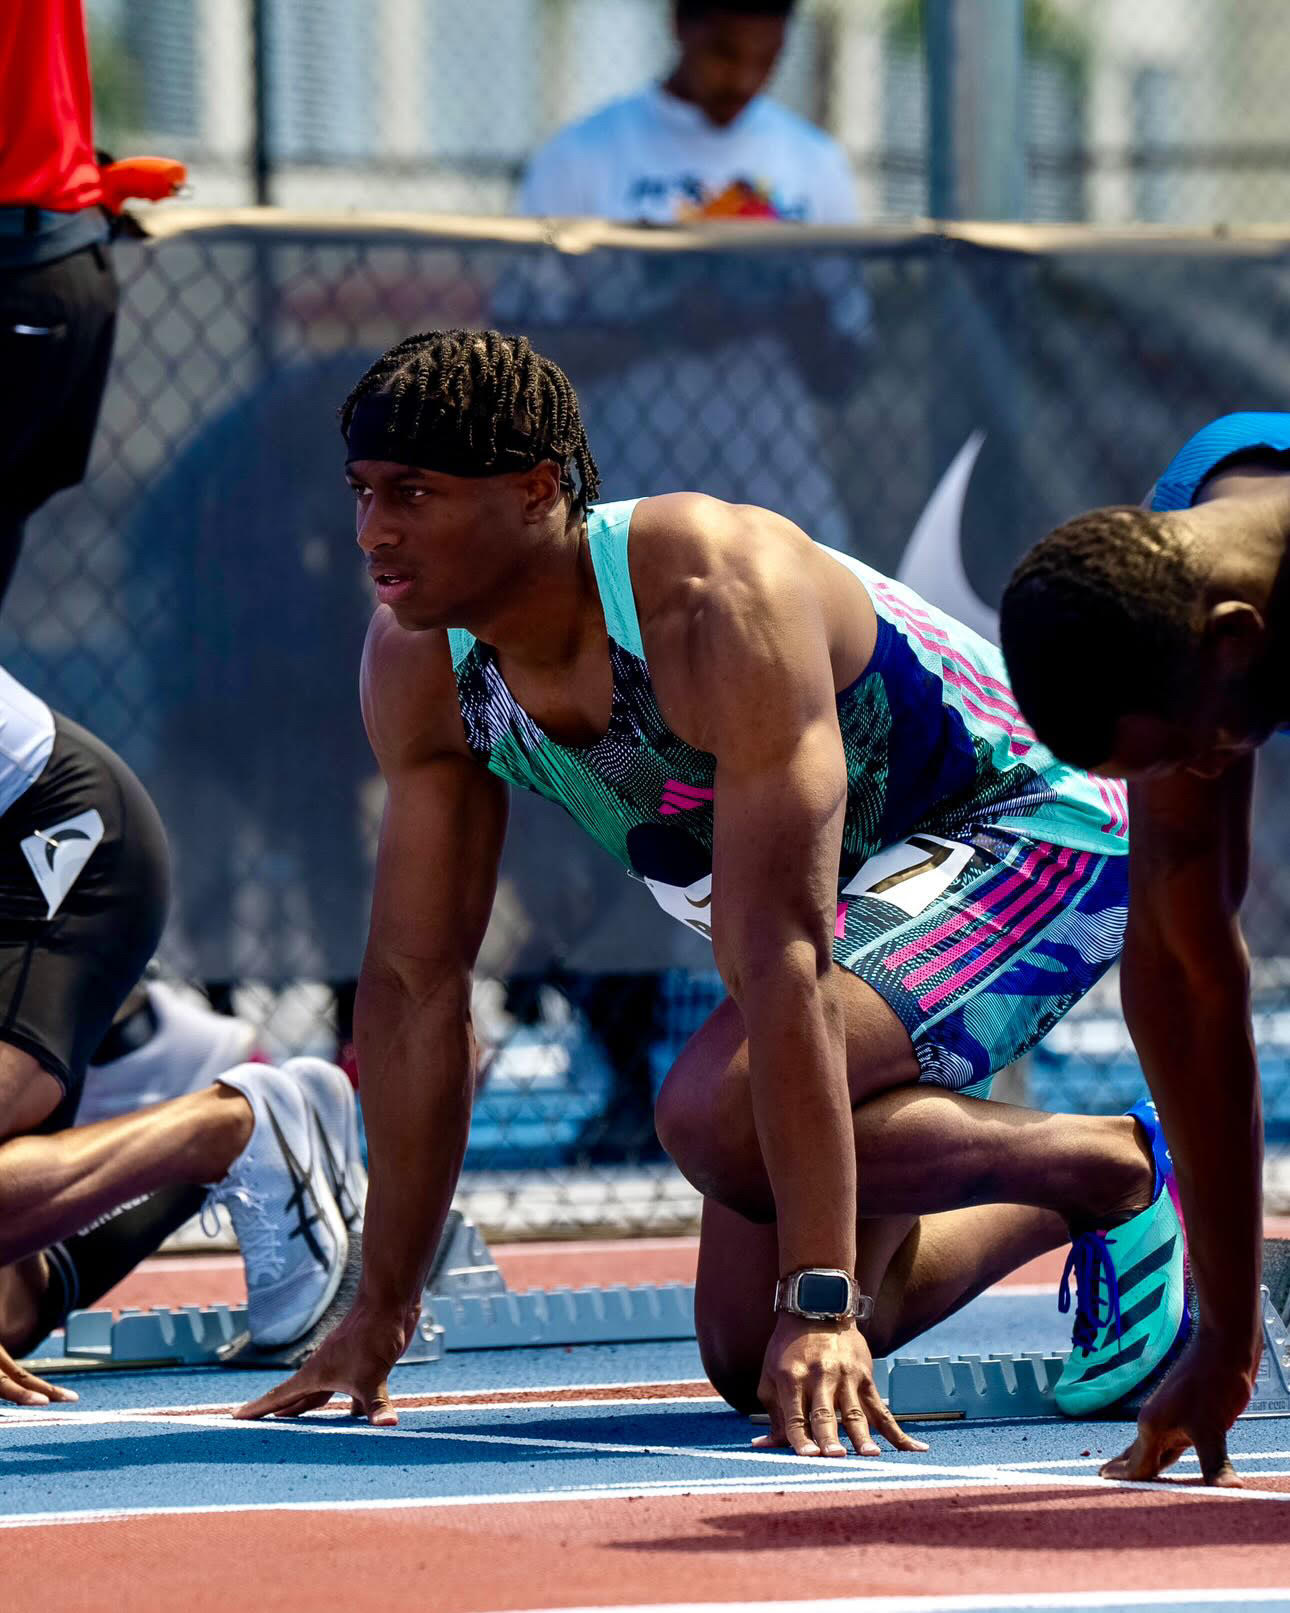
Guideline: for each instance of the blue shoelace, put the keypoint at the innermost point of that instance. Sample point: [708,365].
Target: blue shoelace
[1089,1260]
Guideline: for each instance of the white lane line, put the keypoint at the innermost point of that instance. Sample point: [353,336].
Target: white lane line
[159,1265]
[642,1491]
[966,1604]
[29,1416]
[1188,1459]
[574,1250]
[577,1447]
[851,1470]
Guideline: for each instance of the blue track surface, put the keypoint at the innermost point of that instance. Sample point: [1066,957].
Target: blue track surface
[114,1452]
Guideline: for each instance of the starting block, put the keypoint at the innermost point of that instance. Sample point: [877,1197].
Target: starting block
[1011,1388]
[971,1386]
[616,1315]
[218,1335]
[192,1336]
[467,1306]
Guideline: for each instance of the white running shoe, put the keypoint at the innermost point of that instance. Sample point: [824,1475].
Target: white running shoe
[293,1240]
[331,1100]
[191,1045]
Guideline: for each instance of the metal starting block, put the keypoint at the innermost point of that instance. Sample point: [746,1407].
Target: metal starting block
[617,1315]
[213,1335]
[467,1306]
[193,1336]
[970,1386]
[1003,1388]
[463,1263]
[1271,1396]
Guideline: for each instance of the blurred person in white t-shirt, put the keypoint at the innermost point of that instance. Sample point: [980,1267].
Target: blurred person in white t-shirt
[699,370]
[693,371]
[705,143]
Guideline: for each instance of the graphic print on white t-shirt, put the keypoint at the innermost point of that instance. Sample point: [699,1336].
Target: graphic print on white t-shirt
[651,158]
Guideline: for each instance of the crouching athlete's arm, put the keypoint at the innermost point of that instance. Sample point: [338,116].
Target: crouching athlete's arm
[1185,980]
[757,688]
[436,873]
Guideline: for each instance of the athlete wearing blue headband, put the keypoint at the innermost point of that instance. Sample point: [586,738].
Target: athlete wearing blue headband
[1155,643]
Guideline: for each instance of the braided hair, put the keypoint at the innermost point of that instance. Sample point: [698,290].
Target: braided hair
[503,405]
[1101,619]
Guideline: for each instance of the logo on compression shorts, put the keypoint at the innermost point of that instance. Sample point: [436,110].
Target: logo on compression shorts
[58,854]
[677,871]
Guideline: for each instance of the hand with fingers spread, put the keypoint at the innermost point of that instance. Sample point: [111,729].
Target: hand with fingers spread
[818,1379]
[1196,1405]
[355,1359]
[22,1388]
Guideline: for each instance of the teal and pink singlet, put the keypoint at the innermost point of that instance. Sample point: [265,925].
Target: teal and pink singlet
[982,887]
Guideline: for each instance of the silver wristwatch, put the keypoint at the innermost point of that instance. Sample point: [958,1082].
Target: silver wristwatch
[822,1294]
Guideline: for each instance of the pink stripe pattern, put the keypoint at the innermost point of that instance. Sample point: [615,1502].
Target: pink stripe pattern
[1028,925]
[997,918]
[679,797]
[996,700]
[994,895]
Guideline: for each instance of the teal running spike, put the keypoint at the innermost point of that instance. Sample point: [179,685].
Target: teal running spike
[1132,1315]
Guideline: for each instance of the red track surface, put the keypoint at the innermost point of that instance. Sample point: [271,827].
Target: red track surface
[489,1557]
[485,1559]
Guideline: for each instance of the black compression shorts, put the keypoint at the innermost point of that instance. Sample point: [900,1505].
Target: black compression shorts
[85,841]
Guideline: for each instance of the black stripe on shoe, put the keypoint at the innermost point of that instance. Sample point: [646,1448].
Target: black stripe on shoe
[1136,1313]
[1149,1263]
[1121,1358]
[301,1191]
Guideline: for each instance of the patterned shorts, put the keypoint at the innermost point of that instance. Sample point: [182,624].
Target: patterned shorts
[980,945]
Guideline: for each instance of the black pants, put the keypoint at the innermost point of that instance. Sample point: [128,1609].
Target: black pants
[64,974]
[57,322]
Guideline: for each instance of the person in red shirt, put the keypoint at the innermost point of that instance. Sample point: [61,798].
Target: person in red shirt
[58,293]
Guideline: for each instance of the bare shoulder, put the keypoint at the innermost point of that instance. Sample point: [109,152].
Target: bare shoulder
[716,575]
[730,593]
[692,553]
[409,694]
[1257,475]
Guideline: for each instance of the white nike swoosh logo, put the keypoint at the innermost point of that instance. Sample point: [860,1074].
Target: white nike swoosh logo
[932,564]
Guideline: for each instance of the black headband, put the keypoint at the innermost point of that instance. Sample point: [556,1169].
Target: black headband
[446,447]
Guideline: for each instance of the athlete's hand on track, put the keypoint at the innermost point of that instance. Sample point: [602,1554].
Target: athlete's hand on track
[1196,1405]
[817,1379]
[354,1359]
[23,1388]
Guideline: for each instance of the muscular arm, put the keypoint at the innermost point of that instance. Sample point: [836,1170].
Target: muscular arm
[751,646]
[760,656]
[1185,985]
[436,871]
[435,878]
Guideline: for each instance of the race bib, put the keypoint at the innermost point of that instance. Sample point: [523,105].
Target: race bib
[911,874]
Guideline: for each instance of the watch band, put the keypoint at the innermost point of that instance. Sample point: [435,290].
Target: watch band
[789,1295]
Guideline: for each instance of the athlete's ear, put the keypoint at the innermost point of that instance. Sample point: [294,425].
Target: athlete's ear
[542,490]
[1234,636]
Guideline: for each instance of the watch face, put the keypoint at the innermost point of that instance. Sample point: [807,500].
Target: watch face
[823,1291]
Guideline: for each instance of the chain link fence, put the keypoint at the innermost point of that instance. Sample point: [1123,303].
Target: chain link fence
[199,602]
[1163,111]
